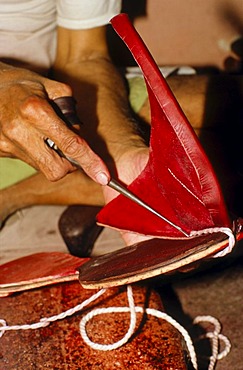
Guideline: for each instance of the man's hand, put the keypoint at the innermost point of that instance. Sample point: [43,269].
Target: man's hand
[27,120]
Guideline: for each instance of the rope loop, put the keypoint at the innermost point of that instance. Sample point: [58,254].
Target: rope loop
[99,311]
[224,230]
[215,336]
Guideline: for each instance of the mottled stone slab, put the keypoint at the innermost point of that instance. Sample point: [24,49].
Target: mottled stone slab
[155,345]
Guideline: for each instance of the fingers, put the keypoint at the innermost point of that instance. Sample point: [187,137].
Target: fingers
[91,163]
[51,126]
[27,144]
[77,150]
[27,120]
[68,142]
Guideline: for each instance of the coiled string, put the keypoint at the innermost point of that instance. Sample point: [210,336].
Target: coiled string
[214,336]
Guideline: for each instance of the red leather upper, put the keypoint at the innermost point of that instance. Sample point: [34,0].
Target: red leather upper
[178,180]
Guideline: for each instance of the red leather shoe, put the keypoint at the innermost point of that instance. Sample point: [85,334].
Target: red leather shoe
[178,182]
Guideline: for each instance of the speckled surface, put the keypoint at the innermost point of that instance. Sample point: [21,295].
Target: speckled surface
[155,345]
[215,291]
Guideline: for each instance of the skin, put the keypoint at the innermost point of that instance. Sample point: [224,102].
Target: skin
[38,190]
[108,128]
[83,68]
[27,120]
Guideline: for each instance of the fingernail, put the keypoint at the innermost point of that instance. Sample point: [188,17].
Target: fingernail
[102,178]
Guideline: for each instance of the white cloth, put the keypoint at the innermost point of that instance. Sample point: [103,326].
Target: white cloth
[83,14]
[28,27]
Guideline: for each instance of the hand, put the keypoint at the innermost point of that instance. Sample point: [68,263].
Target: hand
[27,120]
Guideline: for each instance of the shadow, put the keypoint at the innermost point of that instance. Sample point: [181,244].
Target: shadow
[232,64]
[230,16]
[34,67]
[173,308]
[167,286]
[119,53]
[144,317]
[221,135]
[88,116]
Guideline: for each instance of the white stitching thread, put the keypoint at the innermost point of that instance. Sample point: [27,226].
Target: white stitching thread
[184,186]
[224,230]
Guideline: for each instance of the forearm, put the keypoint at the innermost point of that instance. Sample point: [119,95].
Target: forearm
[100,90]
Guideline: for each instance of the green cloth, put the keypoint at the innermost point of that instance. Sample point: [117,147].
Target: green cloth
[14,170]
[138,93]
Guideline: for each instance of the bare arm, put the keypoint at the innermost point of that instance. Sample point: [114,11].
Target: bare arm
[102,97]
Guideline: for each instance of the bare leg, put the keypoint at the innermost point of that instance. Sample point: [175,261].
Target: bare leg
[126,148]
[75,188]
[190,91]
[109,128]
[130,152]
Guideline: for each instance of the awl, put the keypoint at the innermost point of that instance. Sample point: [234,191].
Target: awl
[116,185]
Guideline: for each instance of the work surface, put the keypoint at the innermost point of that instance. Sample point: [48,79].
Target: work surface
[155,345]
[217,291]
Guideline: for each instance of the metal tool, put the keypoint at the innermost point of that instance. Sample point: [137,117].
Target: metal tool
[116,185]
[67,107]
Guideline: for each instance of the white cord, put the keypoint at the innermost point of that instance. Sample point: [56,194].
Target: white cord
[47,320]
[214,336]
[99,311]
[224,230]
